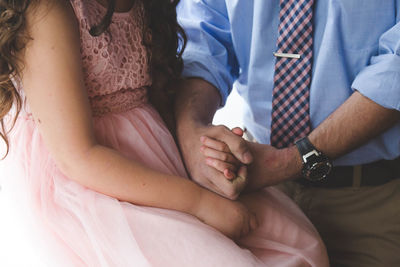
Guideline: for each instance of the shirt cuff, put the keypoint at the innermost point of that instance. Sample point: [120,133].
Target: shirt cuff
[207,69]
[380,81]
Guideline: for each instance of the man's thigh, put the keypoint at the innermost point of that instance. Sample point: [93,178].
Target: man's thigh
[359,225]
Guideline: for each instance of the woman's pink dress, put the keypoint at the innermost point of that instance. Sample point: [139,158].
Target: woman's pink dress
[70,225]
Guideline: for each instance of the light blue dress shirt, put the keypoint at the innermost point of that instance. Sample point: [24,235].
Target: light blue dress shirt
[356,47]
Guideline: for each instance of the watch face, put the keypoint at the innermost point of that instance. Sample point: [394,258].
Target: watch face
[318,171]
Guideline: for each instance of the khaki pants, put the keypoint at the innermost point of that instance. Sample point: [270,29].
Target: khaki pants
[359,225]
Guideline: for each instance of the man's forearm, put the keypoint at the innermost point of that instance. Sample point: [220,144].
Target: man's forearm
[196,103]
[353,124]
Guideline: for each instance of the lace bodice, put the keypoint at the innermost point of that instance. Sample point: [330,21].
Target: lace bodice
[115,64]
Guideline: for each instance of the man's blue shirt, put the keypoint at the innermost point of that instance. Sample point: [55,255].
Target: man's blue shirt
[356,47]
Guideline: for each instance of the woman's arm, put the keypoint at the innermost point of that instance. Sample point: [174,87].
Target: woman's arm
[53,83]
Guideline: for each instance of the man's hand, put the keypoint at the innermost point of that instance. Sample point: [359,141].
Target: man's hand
[219,155]
[195,107]
[270,165]
[205,171]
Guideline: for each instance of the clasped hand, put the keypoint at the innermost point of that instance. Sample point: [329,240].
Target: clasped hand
[227,164]
[218,155]
[214,156]
[220,160]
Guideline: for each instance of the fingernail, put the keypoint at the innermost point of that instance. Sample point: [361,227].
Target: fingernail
[247,157]
[228,174]
[202,139]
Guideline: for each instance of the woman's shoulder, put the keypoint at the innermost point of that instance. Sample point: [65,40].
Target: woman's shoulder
[52,29]
[54,15]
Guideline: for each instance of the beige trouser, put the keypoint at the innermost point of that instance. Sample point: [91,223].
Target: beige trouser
[359,225]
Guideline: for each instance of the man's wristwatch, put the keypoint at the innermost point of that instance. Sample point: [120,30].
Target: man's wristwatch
[316,166]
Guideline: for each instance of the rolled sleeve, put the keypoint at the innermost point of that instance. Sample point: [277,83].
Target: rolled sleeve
[380,80]
[209,53]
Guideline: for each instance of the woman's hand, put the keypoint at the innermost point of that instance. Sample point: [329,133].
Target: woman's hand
[229,217]
[219,156]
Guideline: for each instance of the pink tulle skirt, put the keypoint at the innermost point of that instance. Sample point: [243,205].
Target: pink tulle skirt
[53,221]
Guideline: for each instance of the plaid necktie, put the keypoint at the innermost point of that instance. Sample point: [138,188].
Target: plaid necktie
[290,105]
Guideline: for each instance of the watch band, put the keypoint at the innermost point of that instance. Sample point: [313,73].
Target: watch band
[304,146]
[316,166]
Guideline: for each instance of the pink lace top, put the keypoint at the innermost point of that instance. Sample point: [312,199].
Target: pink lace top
[115,64]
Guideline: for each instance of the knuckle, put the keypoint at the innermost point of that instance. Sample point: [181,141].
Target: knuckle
[225,147]
[216,163]
[221,146]
[205,150]
[208,160]
[225,165]
[206,138]
[220,128]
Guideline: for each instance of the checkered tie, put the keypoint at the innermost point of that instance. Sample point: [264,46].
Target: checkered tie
[290,105]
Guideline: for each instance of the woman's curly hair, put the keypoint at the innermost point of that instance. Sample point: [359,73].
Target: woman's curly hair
[162,35]
[12,40]
[167,42]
